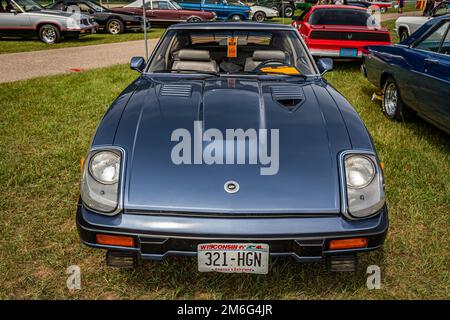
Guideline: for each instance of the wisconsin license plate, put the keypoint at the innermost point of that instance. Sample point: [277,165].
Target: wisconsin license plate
[233,257]
[348,52]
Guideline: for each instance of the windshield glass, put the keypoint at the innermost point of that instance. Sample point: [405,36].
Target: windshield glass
[28,5]
[232,52]
[96,6]
[347,17]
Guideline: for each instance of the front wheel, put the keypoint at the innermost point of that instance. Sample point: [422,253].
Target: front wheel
[288,11]
[259,16]
[114,26]
[404,34]
[49,34]
[194,19]
[236,17]
[393,106]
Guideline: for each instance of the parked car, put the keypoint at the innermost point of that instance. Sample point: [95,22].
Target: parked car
[27,19]
[415,75]
[339,31]
[362,4]
[109,21]
[383,6]
[257,13]
[407,25]
[221,8]
[319,196]
[285,8]
[164,12]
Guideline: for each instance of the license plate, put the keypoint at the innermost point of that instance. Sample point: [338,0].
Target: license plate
[348,52]
[233,257]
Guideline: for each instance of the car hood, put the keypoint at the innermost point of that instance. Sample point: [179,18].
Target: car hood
[411,19]
[310,138]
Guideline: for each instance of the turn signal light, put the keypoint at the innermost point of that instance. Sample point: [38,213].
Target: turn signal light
[348,243]
[120,241]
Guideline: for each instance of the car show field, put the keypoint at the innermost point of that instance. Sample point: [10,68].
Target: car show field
[40,169]
[48,145]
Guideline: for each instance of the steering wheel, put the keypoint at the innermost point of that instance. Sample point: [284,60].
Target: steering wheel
[269,62]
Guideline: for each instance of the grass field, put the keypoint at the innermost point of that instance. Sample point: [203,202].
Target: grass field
[11,45]
[45,129]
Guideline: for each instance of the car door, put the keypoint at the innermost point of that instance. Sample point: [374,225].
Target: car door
[14,21]
[433,54]
[216,6]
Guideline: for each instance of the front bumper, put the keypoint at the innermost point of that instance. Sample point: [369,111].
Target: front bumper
[303,238]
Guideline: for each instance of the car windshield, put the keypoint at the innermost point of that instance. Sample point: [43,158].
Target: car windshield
[232,52]
[347,17]
[96,6]
[28,5]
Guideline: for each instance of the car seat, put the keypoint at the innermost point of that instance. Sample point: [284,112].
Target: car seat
[191,59]
[260,56]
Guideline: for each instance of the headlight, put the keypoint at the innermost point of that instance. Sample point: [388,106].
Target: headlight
[104,167]
[359,171]
[364,185]
[100,181]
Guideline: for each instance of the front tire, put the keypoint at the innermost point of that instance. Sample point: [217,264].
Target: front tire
[194,20]
[114,26]
[404,34]
[236,17]
[49,34]
[259,16]
[393,106]
[288,11]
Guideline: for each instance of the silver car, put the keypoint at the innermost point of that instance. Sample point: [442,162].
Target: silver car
[26,18]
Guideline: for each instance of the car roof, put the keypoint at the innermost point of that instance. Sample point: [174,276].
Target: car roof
[334,6]
[230,26]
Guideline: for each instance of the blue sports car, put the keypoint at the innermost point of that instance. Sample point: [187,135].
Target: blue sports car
[231,147]
[415,74]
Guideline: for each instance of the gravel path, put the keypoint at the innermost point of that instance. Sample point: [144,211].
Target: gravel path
[26,65]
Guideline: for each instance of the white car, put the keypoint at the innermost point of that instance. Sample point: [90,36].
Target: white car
[258,13]
[405,26]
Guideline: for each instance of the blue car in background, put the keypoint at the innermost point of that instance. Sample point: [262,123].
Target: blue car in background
[223,10]
[415,74]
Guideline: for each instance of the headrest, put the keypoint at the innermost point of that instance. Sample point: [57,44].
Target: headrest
[262,55]
[193,55]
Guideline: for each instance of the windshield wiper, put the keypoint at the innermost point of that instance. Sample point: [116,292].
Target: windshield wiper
[213,73]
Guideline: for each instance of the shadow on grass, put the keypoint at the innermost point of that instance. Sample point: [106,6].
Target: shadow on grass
[287,279]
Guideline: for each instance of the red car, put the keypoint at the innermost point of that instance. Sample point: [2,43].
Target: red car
[339,31]
[164,12]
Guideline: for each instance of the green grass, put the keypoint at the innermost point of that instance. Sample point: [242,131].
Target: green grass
[10,45]
[43,134]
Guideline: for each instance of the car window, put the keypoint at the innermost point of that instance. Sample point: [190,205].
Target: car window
[349,17]
[191,1]
[442,9]
[231,51]
[433,41]
[445,48]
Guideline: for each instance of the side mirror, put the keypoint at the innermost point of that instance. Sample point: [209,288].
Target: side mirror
[137,63]
[325,65]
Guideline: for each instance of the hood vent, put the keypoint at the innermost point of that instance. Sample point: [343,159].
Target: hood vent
[176,90]
[289,97]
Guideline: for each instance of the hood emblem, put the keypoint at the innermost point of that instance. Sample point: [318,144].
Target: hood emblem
[231,186]
[349,36]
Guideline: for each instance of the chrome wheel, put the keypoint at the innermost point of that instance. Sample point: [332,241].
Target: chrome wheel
[390,99]
[259,17]
[114,27]
[236,18]
[194,20]
[49,34]
[288,12]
